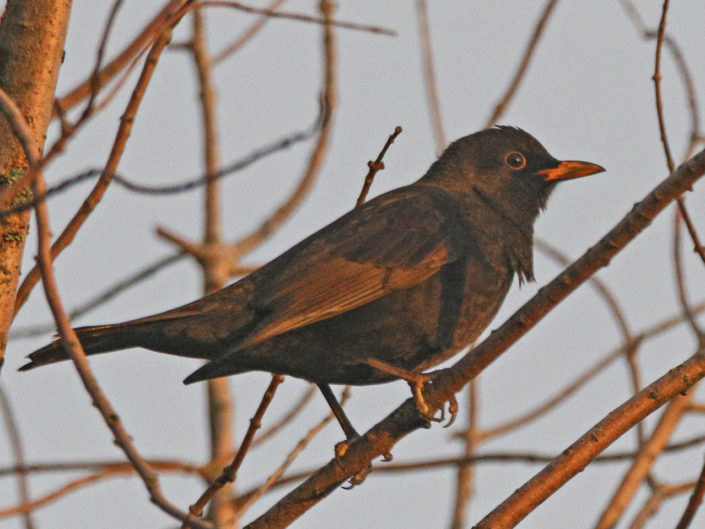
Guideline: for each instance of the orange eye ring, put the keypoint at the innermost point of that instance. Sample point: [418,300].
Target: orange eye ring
[515,161]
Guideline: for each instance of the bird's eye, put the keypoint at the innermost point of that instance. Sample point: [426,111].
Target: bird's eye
[515,160]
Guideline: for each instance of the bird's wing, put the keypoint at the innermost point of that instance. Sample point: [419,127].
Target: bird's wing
[393,242]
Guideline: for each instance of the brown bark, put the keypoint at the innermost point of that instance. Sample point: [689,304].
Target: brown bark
[32,38]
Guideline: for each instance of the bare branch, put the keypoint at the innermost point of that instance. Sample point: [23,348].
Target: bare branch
[17,455]
[429,76]
[529,51]
[577,456]
[247,501]
[248,35]
[230,472]
[377,165]
[466,472]
[694,502]
[153,27]
[289,416]
[103,297]
[272,13]
[71,343]
[329,100]
[643,462]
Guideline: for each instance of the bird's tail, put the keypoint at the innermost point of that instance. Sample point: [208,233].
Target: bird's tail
[95,339]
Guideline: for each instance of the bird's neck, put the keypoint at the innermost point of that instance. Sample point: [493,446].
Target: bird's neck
[514,230]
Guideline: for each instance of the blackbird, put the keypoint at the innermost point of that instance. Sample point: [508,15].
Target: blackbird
[388,290]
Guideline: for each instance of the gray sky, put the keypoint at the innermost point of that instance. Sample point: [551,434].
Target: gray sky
[588,95]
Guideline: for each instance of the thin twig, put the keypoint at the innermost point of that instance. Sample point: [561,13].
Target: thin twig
[529,51]
[248,35]
[68,130]
[101,472]
[112,465]
[600,287]
[153,27]
[465,473]
[230,472]
[698,247]
[377,165]
[233,167]
[26,507]
[329,100]
[295,16]
[696,498]
[630,353]
[17,455]
[105,296]
[429,76]
[289,416]
[251,498]
[679,276]
[653,504]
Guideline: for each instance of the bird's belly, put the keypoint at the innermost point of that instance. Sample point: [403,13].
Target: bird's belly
[484,292]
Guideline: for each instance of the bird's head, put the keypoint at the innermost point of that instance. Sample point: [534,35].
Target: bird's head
[506,166]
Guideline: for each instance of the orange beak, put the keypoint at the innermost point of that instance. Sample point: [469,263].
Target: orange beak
[570,169]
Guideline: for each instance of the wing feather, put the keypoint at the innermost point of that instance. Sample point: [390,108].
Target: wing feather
[393,242]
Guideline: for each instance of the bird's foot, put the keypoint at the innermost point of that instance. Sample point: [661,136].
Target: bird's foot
[417,385]
[417,381]
[358,478]
[341,449]
[423,407]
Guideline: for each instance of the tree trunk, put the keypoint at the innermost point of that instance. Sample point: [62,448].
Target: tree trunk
[32,38]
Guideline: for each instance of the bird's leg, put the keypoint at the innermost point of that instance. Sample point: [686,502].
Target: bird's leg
[350,434]
[416,381]
[349,430]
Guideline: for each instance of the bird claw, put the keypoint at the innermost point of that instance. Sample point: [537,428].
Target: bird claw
[341,449]
[358,478]
[423,408]
[417,381]
[452,410]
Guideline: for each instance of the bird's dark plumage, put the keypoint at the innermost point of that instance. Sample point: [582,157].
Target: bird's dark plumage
[408,278]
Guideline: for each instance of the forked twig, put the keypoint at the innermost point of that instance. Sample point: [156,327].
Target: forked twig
[377,165]
[230,472]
